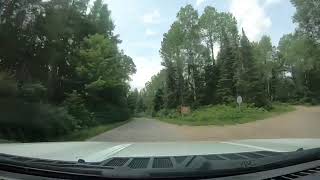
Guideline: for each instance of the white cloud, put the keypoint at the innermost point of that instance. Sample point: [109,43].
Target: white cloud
[271,2]
[152,17]
[198,2]
[146,68]
[251,17]
[150,32]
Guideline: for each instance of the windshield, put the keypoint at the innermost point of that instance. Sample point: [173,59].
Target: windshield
[214,73]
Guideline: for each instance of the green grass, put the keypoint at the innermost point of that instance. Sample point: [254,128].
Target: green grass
[225,115]
[84,134]
[6,141]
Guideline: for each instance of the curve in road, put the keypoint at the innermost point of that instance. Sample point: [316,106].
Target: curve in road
[302,123]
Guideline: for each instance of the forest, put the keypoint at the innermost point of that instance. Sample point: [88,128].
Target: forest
[61,68]
[62,71]
[260,72]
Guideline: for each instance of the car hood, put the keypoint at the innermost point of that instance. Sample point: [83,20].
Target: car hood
[99,151]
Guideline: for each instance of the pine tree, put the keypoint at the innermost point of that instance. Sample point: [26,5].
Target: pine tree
[158,101]
[250,84]
[210,80]
[226,61]
[132,100]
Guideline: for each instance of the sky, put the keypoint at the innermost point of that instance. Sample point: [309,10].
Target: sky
[142,23]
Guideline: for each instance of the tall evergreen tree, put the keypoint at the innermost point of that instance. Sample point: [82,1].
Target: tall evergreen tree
[174,64]
[133,100]
[158,100]
[226,61]
[250,84]
[210,75]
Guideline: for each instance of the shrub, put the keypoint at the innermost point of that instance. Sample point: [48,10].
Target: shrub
[111,113]
[76,107]
[315,101]
[225,114]
[8,87]
[161,113]
[28,121]
[50,122]
[32,92]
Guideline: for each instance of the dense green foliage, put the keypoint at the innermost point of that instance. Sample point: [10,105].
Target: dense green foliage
[250,79]
[223,115]
[258,71]
[61,68]
[308,17]
[194,77]
[158,100]
[135,102]
[151,87]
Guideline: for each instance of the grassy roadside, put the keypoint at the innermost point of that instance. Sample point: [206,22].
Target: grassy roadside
[6,141]
[84,134]
[225,115]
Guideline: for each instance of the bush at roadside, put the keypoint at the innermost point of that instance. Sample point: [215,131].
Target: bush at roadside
[76,107]
[24,117]
[25,121]
[223,114]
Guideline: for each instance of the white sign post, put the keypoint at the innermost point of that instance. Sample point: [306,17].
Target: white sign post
[239,101]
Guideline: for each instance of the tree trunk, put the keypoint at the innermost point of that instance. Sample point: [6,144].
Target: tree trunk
[211,48]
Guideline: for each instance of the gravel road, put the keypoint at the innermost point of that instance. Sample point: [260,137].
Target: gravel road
[302,123]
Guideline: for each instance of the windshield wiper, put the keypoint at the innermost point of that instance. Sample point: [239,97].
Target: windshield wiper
[202,168]
[195,166]
[33,166]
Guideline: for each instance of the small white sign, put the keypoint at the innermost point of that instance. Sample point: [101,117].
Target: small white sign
[239,99]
